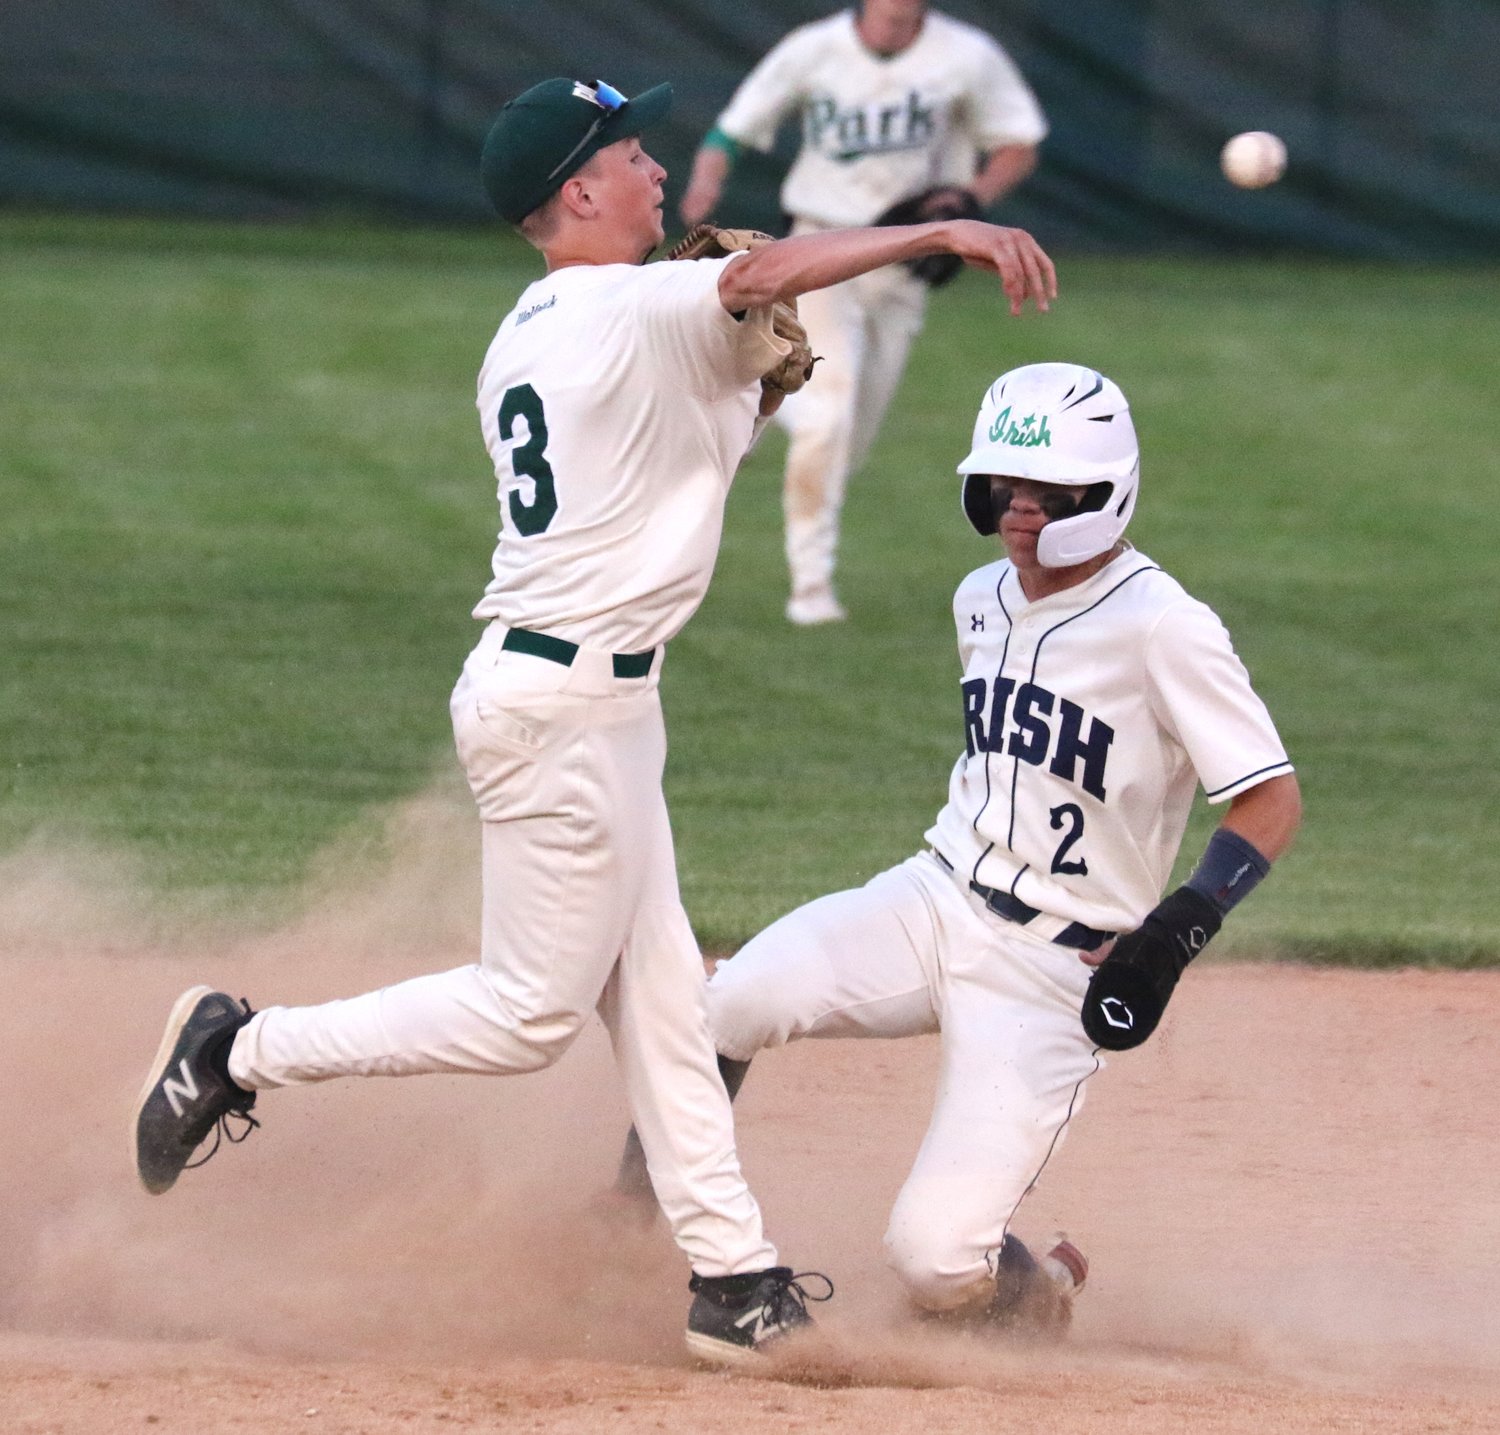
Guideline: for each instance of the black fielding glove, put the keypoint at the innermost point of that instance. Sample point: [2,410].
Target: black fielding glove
[942,201]
[1130,988]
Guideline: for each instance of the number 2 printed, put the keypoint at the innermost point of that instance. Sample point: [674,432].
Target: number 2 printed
[1071,814]
[529,460]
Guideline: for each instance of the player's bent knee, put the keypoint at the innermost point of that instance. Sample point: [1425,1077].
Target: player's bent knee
[937,1275]
[738,1015]
[535,1043]
[933,1251]
[539,1055]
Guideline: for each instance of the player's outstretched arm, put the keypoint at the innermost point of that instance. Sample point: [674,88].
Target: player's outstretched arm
[814,261]
[1132,984]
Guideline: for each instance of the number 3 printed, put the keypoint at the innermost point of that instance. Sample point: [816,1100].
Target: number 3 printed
[528,459]
[1072,814]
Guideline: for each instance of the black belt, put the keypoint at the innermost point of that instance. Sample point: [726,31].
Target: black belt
[1013,909]
[560,650]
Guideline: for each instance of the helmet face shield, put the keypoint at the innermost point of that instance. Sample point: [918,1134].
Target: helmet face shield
[1056,424]
[1059,502]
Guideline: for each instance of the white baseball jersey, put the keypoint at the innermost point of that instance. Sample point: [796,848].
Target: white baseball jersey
[612,488]
[1090,717]
[616,402]
[876,129]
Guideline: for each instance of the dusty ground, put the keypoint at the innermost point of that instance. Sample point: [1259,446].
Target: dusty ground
[1289,1198]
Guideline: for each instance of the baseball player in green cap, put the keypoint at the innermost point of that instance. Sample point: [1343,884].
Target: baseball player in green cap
[616,401]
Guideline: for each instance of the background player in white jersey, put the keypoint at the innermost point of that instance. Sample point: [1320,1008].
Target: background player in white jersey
[895,101]
[616,401]
[1097,695]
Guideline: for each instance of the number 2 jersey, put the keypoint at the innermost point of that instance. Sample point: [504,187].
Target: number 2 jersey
[616,401]
[1090,718]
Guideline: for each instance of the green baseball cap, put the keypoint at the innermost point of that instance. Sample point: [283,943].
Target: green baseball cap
[546,134]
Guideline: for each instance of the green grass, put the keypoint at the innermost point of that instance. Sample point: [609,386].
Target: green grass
[247,511]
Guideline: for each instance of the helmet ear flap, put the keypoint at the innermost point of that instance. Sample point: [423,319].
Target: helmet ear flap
[978,504]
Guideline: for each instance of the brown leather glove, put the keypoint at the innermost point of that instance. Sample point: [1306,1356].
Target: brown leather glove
[708,241]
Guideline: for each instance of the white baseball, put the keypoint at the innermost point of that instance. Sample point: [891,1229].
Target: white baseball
[1254,159]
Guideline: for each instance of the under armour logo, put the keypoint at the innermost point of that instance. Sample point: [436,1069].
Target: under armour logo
[1117,1014]
[976,622]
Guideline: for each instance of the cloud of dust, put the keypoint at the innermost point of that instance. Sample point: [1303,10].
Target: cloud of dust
[1344,1326]
[437,1214]
[1347,1317]
[449,1217]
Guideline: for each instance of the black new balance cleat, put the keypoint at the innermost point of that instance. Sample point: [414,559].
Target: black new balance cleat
[189,1092]
[734,1319]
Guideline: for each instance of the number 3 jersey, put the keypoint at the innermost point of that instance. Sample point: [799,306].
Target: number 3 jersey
[1090,717]
[617,401]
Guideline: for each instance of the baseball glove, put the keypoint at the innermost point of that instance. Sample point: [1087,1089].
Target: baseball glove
[942,201]
[708,241]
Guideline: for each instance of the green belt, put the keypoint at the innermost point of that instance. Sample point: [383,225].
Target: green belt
[560,650]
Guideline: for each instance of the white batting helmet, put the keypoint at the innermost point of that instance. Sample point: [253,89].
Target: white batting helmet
[1064,424]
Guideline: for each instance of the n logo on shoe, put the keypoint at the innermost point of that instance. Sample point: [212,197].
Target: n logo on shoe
[761,1328]
[177,1092]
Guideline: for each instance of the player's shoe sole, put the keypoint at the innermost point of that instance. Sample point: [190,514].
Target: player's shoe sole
[183,1099]
[723,1353]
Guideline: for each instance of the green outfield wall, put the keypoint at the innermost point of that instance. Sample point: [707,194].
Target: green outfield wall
[255,108]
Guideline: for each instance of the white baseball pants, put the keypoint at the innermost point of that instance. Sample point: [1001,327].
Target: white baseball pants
[912,952]
[863,330]
[581,912]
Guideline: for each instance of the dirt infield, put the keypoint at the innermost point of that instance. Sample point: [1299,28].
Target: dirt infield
[1289,1199]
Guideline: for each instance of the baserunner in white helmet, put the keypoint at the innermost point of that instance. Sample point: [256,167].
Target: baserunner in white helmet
[1032,931]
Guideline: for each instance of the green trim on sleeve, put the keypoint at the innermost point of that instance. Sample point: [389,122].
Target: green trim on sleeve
[717,139]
